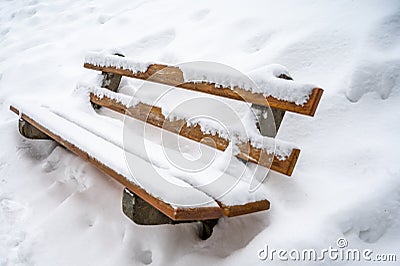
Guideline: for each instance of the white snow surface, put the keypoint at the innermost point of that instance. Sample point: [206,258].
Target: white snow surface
[57,209]
[87,88]
[281,89]
[107,58]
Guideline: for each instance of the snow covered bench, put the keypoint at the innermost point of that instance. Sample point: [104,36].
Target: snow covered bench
[98,138]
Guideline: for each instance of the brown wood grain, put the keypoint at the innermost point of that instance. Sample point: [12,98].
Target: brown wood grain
[173,76]
[236,210]
[153,115]
[177,214]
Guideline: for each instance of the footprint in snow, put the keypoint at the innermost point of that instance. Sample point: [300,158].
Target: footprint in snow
[3,33]
[77,175]
[102,19]
[379,77]
[33,3]
[200,14]
[153,41]
[386,34]
[24,13]
[145,257]
[375,222]
[10,209]
[36,150]
[257,42]
[368,233]
[52,161]
[157,40]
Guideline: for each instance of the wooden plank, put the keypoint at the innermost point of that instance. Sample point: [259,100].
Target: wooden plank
[250,207]
[177,214]
[153,115]
[308,108]
[173,76]
[286,167]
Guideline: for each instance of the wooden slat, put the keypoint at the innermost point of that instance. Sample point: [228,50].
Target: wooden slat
[286,167]
[308,108]
[250,207]
[177,214]
[153,115]
[173,76]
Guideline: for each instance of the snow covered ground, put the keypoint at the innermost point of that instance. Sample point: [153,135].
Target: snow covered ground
[56,209]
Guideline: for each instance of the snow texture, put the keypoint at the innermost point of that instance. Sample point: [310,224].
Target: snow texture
[105,59]
[57,209]
[123,99]
[264,80]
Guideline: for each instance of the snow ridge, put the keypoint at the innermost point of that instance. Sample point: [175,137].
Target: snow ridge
[105,59]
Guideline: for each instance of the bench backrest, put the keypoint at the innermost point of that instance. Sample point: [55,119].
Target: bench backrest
[113,67]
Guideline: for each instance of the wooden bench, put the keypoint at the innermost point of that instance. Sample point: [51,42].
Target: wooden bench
[154,200]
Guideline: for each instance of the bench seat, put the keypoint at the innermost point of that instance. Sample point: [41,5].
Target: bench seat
[98,139]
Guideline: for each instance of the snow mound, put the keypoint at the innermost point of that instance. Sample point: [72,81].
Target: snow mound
[380,76]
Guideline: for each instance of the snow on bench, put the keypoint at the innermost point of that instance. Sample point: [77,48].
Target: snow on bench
[251,146]
[95,138]
[174,201]
[266,90]
[110,158]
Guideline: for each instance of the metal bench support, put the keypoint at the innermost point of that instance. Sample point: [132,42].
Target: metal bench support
[140,212]
[29,131]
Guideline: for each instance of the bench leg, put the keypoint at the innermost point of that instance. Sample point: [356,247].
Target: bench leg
[266,125]
[110,81]
[140,212]
[29,131]
[207,228]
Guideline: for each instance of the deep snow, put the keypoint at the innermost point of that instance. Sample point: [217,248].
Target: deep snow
[56,209]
